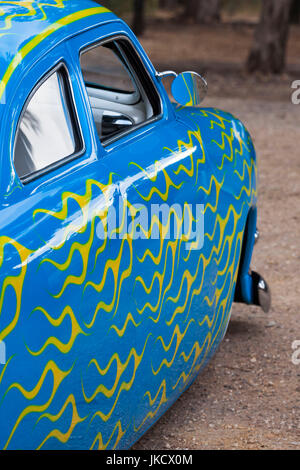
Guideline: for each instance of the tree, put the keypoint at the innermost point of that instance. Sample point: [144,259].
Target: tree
[139,22]
[295,12]
[203,11]
[268,51]
[190,7]
[167,4]
[209,11]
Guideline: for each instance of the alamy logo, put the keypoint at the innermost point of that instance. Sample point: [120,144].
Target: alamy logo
[296,354]
[296,93]
[2,353]
[140,222]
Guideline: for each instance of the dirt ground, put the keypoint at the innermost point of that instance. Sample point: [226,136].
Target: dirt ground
[248,397]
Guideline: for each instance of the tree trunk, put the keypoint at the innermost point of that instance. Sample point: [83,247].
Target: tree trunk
[139,17]
[203,11]
[295,12]
[209,11]
[191,10]
[167,4]
[268,52]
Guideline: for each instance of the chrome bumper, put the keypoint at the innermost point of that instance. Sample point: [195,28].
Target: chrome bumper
[251,289]
[261,292]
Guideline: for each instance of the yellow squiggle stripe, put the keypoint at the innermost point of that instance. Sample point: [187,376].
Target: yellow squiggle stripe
[173,245]
[16,282]
[41,37]
[233,280]
[112,265]
[84,250]
[206,262]
[62,347]
[179,338]
[58,377]
[8,19]
[99,438]
[244,189]
[164,196]
[198,351]
[120,370]
[163,231]
[121,367]
[125,386]
[152,414]
[121,332]
[83,202]
[189,279]
[160,277]
[55,433]
[59,4]
[190,144]
[222,146]
[31,10]
[4,368]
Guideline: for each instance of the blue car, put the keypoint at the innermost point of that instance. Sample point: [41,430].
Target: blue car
[128,221]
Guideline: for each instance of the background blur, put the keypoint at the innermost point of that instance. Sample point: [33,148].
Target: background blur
[218,36]
[249,52]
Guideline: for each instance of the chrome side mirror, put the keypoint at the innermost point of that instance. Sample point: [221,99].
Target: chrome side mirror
[188,88]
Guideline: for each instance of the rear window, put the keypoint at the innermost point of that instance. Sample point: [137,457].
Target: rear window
[48,131]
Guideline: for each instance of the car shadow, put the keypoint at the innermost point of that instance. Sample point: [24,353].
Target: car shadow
[240,327]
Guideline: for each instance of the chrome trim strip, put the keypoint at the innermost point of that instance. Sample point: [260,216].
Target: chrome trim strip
[167,73]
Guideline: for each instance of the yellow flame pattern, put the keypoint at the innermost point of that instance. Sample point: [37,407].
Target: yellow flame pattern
[163,351]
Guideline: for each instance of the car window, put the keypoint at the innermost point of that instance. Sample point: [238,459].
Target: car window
[104,67]
[121,94]
[48,130]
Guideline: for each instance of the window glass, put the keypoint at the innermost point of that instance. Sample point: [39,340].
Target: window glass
[103,67]
[47,132]
[121,94]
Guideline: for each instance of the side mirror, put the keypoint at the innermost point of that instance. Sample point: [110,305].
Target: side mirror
[189,89]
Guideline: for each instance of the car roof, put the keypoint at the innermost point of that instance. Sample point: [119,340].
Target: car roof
[28,29]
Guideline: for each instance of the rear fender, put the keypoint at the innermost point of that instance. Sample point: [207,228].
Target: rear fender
[244,288]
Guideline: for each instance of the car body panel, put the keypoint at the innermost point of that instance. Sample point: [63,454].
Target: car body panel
[102,336]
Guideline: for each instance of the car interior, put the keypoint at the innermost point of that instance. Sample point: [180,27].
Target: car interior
[117,96]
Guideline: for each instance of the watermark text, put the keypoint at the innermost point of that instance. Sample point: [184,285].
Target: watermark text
[2,353]
[296,353]
[296,94]
[154,222]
